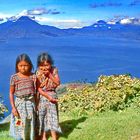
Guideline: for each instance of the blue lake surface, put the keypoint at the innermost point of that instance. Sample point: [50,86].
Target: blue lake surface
[77,57]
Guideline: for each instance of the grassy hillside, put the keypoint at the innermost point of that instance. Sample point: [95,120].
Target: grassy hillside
[109,125]
[103,126]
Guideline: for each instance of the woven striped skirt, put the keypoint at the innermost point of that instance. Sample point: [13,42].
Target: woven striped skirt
[48,114]
[23,128]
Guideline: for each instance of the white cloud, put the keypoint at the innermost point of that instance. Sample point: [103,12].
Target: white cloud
[38,11]
[23,13]
[4,17]
[125,21]
[130,21]
[61,23]
[111,22]
[43,19]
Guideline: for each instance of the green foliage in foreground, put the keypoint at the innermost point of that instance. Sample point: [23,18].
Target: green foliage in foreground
[4,132]
[108,125]
[115,92]
[2,108]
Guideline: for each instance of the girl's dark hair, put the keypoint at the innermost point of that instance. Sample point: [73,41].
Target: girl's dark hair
[44,57]
[26,58]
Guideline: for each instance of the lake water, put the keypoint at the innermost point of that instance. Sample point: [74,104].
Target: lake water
[78,58]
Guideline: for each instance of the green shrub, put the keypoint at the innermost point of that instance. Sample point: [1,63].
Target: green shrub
[3,108]
[115,92]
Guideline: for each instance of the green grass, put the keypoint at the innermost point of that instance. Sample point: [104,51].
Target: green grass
[103,126]
[123,125]
[4,132]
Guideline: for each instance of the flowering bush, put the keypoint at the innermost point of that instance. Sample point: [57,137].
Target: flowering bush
[115,92]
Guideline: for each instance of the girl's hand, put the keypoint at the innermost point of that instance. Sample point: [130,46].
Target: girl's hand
[15,112]
[36,108]
[47,72]
[53,100]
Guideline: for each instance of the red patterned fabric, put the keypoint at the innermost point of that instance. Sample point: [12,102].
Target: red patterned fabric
[23,86]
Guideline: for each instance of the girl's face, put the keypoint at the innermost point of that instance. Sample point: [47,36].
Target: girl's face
[45,66]
[24,67]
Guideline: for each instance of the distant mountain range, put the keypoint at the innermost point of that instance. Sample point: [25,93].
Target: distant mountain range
[25,27]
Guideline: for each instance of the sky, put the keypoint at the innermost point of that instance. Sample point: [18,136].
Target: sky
[69,13]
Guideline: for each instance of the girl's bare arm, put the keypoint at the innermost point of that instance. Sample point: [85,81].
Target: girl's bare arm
[44,94]
[39,89]
[47,96]
[11,96]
